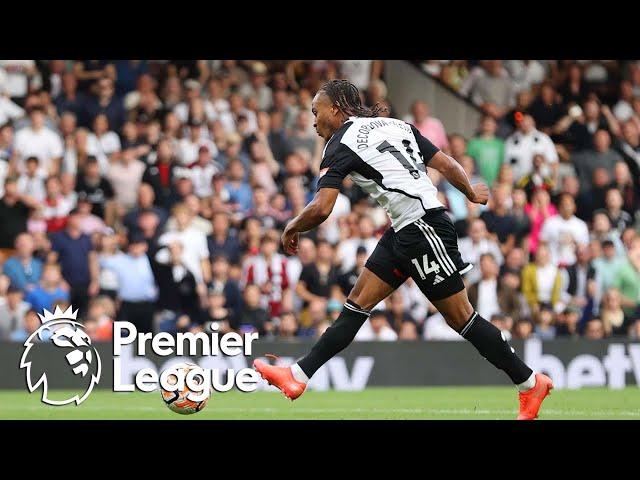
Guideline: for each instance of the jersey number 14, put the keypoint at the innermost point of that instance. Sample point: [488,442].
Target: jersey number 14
[426,268]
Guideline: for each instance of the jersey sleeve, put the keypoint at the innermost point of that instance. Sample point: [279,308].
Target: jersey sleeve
[336,166]
[427,148]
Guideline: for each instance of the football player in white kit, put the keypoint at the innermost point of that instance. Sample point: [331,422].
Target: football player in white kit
[387,158]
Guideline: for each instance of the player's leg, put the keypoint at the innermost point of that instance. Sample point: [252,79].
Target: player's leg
[444,287]
[368,291]
[379,279]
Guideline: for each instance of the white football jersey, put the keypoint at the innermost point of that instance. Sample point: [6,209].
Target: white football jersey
[387,158]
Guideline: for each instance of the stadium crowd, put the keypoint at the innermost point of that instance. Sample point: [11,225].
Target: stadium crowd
[156,192]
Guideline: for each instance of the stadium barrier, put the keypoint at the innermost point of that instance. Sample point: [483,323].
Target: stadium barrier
[613,363]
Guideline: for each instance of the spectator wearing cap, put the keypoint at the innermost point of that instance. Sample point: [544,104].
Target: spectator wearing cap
[74,251]
[189,147]
[49,291]
[105,102]
[37,140]
[223,241]
[14,212]
[524,144]
[257,86]
[12,311]
[136,284]
[23,269]
[94,187]
[125,176]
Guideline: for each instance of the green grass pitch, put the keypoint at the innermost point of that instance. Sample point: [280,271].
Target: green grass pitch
[437,403]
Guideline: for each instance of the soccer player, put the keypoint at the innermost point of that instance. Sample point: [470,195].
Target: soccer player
[387,158]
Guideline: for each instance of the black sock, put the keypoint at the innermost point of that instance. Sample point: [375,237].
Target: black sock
[492,346]
[335,338]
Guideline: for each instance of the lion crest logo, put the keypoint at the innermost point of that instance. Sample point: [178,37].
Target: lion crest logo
[79,360]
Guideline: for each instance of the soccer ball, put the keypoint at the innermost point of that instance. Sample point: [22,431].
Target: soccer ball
[177,400]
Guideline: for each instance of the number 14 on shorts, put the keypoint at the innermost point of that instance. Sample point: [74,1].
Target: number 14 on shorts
[426,268]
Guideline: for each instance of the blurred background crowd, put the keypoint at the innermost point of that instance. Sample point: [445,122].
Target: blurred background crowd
[156,192]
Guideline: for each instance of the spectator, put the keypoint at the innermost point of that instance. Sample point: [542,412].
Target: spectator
[102,140]
[105,102]
[75,253]
[547,109]
[188,148]
[14,212]
[613,318]
[240,193]
[195,253]
[376,328]
[268,270]
[23,269]
[581,283]
[319,278]
[594,329]
[490,88]
[627,279]
[487,150]
[484,293]
[69,99]
[39,141]
[50,290]
[618,218]
[347,280]
[56,206]
[253,316]
[396,313]
[524,144]
[623,109]
[563,231]
[539,210]
[541,281]
[125,176]
[600,156]
[607,265]
[477,243]
[13,309]
[31,182]
[545,328]
[346,251]
[31,323]
[137,289]
[523,329]
[146,203]
[94,187]
[429,127]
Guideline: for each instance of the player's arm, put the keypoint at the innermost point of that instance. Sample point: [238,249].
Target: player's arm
[313,215]
[455,174]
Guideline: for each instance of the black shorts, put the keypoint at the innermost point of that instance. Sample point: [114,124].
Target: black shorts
[427,251]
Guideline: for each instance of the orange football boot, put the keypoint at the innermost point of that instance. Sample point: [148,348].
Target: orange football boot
[280,377]
[530,400]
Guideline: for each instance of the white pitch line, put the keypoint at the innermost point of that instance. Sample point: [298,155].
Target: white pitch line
[301,410]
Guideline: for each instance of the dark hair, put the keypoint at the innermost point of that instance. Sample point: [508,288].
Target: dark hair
[346,97]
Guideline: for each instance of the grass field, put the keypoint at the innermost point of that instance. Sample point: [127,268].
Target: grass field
[374,403]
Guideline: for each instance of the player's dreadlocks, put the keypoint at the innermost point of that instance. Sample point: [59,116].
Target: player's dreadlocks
[347,98]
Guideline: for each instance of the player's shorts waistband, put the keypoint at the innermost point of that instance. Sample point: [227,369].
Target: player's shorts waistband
[432,212]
